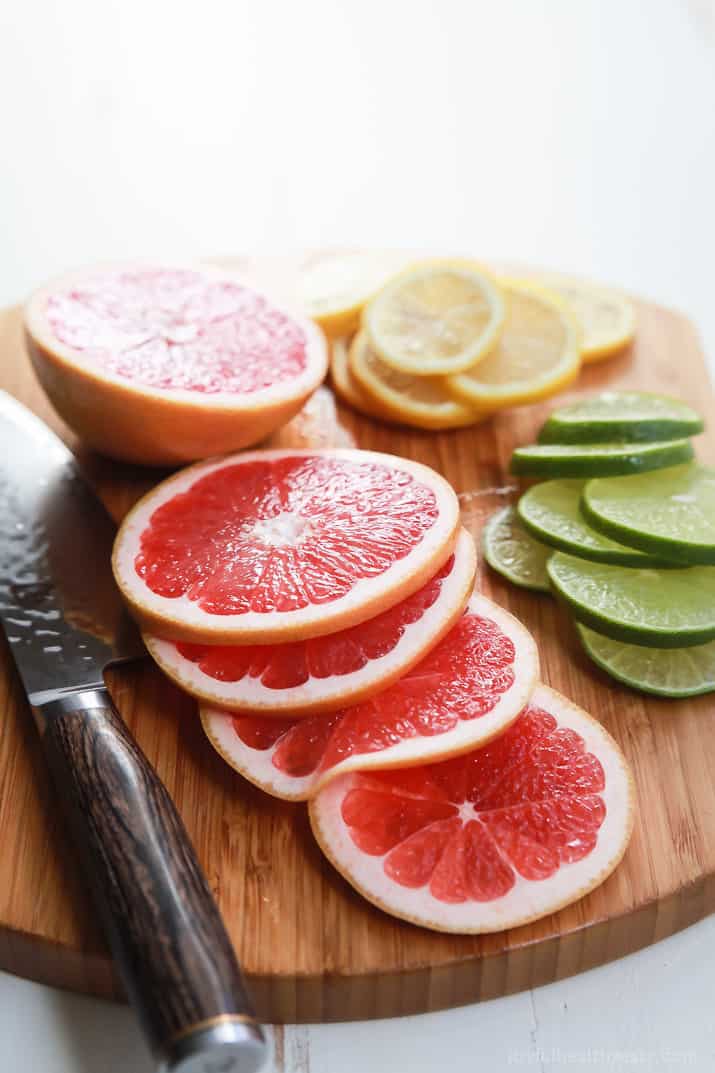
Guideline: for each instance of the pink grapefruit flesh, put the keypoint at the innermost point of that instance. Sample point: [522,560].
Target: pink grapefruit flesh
[491,839]
[468,689]
[282,545]
[327,672]
[157,363]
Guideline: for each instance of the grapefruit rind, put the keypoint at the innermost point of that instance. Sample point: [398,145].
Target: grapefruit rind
[256,764]
[325,694]
[528,900]
[157,426]
[181,619]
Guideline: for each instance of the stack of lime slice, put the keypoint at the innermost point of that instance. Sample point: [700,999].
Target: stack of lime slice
[624,534]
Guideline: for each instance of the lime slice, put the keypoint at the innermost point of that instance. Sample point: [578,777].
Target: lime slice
[510,551]
[597,460]
[680,672]
[550,512]
[662,608]
[621,417]
[671,513]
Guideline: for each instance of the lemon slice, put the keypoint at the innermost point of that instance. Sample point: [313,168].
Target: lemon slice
[436,318]
[607,317]
[349,389]
[334,286]
[421,401]
[537,353]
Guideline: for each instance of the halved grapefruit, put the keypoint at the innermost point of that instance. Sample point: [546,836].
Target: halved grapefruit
[163,364]
[464,692]
[282,545]
[329,672]
[491,839]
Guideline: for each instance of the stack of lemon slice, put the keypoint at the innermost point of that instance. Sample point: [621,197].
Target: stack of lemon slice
[445,344]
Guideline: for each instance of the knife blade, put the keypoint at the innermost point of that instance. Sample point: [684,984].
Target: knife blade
[65,623]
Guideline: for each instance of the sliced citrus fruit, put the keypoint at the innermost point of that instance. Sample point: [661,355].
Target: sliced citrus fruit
[333,286]
[422,401]
[512,552]
[281,545]
[669,513]
[464,692]
[326,672]
[669,608]
[598,459]
[436,318]
[536,355]
[675,672]
[491,839]
[161,364]
[551,512]
[349,389]
[621,417]
[607,316]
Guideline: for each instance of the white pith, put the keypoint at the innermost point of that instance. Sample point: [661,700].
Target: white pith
[286,391]
[528,899]
[250,694]
[183,617]
[256,765]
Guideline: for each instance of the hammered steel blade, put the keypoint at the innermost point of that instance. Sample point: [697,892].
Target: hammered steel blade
[60,608]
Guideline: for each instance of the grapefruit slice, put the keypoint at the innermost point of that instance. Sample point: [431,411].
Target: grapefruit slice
[282,545]
[326,672]
[163,364]
[492,839]
[463,693]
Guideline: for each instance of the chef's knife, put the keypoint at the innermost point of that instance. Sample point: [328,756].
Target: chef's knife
[64,622]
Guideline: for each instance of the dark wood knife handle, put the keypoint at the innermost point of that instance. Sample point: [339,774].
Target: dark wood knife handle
[162,923]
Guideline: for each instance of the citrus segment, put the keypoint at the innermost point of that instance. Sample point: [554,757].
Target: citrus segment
[621,417]
[163,364]
[491,839]
[607,317]
[422,401]
[598,460]
[536,355]
[349,388]
[669,608]
[512,552]
[279,545]
[465,691]
[676,672]
[334,286]
[326,672]
[436,318]
[669,513]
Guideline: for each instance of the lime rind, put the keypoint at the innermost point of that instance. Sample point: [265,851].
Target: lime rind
[513,553]
[550,513]
[678,672]
[672,608]
[671,514]
[621,417]
[598,460]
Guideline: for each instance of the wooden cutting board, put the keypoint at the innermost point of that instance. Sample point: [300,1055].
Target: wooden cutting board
[311,948]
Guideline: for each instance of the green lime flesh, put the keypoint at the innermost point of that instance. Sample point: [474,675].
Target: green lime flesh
[671,608]
[621,417]
[679,672]
[597,460]
[515,555]
[670,513]
[550,512]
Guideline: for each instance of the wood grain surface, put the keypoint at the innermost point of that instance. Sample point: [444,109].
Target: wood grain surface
[311,948]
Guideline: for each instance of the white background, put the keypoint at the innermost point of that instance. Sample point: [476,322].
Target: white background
[576,135]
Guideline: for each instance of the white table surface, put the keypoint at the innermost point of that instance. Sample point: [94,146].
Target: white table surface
[577,135]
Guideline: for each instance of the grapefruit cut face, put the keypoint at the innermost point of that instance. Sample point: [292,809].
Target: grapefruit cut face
[492,839]
[328,672]
[283,545]
[161,363]
[470,687]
